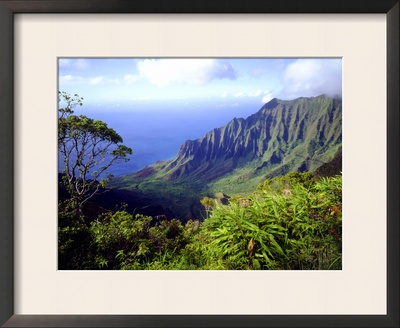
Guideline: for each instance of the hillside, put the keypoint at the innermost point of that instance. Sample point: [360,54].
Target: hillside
[283,136]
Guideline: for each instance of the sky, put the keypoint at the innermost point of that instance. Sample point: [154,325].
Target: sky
[156,104]
[118,82]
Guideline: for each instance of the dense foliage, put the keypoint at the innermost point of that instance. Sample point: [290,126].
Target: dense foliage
[292,222]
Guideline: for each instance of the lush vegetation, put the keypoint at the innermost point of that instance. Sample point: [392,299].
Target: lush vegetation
[292,222]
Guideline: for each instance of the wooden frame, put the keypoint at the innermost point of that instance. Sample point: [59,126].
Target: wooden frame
[7,10]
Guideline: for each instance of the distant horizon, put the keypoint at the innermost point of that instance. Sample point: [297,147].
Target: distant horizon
[158,104]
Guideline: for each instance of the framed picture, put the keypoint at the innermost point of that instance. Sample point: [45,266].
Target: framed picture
[43,41]
[202,160]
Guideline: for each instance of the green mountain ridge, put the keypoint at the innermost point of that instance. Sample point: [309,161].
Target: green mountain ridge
[283,136]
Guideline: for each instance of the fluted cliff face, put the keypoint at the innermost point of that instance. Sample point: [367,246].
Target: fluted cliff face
[282,136]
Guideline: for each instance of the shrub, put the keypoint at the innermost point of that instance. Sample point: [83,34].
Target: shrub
[124,242]
[281,228]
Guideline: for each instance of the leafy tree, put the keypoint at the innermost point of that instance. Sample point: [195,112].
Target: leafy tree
[88,148]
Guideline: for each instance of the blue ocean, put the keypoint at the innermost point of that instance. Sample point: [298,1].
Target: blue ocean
[156,131]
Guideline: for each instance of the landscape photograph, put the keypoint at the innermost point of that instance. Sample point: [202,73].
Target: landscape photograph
[199,163]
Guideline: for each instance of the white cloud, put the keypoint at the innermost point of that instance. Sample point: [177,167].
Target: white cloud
[69,79]
[98,80]
[313,77]
[256,93]
[240,94]
[164,72]
[267,97]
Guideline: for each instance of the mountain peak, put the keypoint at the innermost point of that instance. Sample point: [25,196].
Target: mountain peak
[272,103]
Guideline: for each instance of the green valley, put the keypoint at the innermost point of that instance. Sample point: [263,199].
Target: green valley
[299,135]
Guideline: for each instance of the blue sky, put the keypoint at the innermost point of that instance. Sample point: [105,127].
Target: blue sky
[158,104]
[129,83]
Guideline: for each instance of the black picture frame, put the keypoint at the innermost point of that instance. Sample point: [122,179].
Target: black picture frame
[10,7]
